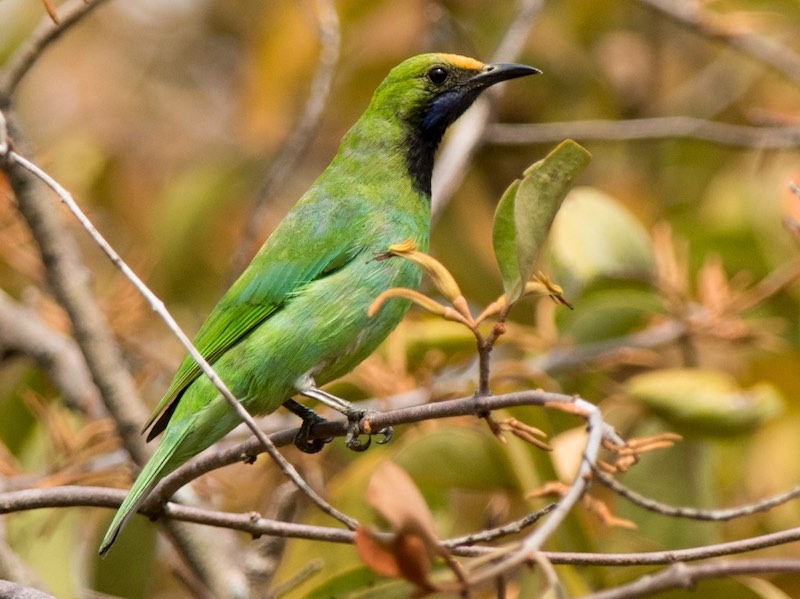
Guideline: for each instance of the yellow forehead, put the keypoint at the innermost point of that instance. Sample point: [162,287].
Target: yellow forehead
[463,62]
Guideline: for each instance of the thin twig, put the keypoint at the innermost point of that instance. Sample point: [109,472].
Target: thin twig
[717,515]
[69,280]
[512,528]
[46,33]
[667,127]
[682,576]
[23,332]
[766,50]
[301,135]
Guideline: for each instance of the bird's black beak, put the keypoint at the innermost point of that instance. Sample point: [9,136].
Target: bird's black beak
[495,73]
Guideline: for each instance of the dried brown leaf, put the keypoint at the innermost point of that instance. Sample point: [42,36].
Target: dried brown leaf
[392,493]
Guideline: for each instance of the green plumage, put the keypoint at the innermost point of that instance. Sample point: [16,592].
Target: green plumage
[299,310]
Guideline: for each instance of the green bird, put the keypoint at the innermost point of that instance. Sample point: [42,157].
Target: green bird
[297,316]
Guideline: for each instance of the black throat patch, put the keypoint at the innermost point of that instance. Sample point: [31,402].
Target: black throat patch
[425,128]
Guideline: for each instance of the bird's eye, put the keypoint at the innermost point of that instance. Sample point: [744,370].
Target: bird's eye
[437,75]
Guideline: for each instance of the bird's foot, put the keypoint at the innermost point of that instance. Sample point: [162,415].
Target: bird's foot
[302,439]
[358,423]
[357,419]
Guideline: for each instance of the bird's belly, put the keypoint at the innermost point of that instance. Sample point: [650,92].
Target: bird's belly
[322,332]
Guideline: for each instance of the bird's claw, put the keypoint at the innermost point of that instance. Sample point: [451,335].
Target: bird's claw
[302,439]
[354,430]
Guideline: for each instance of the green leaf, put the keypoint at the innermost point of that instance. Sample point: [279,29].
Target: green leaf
[526,211]
[504,239]
[706,402]
[594,235]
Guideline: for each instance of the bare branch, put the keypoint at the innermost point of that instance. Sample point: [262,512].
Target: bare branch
[72,496]
[766,50]
[69,279]
[682,576]
[668,127]
[46,33]
[718,515]
[465,406]
[9,590]
[23,332]
[512,528]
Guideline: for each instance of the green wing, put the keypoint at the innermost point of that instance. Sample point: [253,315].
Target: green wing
[277,271]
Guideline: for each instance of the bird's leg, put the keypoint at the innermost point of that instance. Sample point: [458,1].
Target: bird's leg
[354,416]
[310,418]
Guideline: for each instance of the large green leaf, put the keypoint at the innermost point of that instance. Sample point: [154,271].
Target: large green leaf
[526,211]
[706,402]
[595,236]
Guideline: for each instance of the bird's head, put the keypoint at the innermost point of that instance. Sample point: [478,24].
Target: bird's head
[427,93]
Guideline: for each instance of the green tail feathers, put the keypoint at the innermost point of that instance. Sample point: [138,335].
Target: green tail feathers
[156,468]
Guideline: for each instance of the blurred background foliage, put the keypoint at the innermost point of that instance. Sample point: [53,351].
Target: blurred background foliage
[162,119]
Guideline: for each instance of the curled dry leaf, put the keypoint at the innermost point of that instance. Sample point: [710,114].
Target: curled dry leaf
[392,493]
[526,432]
[420,300]
[444,282]
[409,554]
[540,285]
[604,514]
[627,455]
[593,505]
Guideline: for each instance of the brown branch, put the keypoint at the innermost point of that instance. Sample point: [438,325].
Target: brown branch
[682,576]
[465,406]
[74,496]
[70,14]
[512,528]
[9,590]
[668,127]
[692,513]
[23,332]
[252,523]
[689,14]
